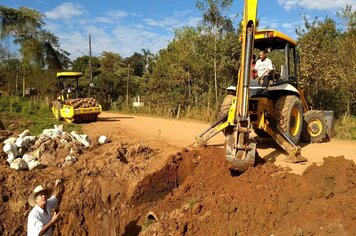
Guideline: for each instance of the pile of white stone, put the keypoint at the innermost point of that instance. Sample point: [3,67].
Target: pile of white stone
[24,152]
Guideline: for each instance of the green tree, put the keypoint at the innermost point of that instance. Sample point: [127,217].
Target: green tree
[41,55]
[181,78]
[81,64]
[148,58]
[347,56]
[328,64]
[215,23]
[38,46]
[137,62]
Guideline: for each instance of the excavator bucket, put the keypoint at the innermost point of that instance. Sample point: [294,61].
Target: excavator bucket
[241,159]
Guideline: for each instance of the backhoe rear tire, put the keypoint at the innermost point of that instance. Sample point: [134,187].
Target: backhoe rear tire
[314,127]
[288,116]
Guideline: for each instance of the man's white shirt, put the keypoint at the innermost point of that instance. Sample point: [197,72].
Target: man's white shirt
[263,66]
[39,218]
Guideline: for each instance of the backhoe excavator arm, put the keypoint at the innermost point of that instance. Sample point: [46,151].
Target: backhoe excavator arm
[239,151]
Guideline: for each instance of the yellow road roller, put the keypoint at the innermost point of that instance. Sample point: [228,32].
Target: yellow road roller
[69,106]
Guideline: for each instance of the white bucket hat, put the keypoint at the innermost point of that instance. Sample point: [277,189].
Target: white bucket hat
[36,191]
[233,88]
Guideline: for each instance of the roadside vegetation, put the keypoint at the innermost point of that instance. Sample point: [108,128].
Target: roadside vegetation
[18,114]
[187,79]
[345,128]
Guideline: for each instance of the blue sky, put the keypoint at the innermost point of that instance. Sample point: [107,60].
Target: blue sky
[125,26]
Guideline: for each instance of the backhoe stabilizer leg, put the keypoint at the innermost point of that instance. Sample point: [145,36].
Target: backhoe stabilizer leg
[294,155]
[202,139]
[294,151]
[241,159]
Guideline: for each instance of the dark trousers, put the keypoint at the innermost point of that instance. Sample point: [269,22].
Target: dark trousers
[265,81]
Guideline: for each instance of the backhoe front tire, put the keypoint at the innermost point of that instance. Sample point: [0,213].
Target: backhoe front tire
[288,116]
[314,127]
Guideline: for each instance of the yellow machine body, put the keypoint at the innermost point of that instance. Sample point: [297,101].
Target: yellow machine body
[74,110]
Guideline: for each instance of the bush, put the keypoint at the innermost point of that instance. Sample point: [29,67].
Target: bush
[345,128]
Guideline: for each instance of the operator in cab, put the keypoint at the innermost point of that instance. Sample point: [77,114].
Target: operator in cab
[263,68]
[69,91]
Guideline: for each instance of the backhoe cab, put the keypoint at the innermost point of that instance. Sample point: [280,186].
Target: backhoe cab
[279,110]
[69,106]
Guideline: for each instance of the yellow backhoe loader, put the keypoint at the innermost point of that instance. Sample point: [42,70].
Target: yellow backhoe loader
[69,106]
[278,110]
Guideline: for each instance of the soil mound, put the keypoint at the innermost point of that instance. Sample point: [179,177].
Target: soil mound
[265,200]
[131,189]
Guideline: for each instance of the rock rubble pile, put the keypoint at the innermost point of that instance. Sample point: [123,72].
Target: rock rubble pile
[53,147]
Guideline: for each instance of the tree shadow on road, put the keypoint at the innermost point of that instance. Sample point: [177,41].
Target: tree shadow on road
[114,118]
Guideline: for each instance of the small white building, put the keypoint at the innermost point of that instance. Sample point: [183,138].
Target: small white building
[137,103]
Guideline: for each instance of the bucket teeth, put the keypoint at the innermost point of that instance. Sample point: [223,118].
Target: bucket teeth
[243,159]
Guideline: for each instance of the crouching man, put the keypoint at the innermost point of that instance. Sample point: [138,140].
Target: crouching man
[226,104]
[40,221]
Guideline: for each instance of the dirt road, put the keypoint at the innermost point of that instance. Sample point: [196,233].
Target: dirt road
[182,133]
[145,183]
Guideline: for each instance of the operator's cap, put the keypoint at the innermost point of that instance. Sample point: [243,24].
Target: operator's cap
[233,88]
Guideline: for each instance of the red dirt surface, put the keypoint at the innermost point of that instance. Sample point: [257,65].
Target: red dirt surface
[193,193]
[112,189]
[265,200]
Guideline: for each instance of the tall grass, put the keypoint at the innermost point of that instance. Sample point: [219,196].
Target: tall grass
[345,128]
[19,114]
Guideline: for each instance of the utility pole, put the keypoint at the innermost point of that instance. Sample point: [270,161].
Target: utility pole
[23,85]
[127,87]
[23,69]
[90,67]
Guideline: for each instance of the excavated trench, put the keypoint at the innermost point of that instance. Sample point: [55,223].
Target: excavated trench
[196,194]
[156,186]
[114,192]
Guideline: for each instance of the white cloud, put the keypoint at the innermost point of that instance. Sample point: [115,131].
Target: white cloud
[170,23]
[117,14]
[72,41]
[111,17]
[110,33]
[123,40]
[66,10]
[265,23]
[287,25]
[103,19]
[316,4]
[288,4]
[274,25]
[182,13]
[52,27]
[192,21]
[133,40]
[177,20]
[135,14]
